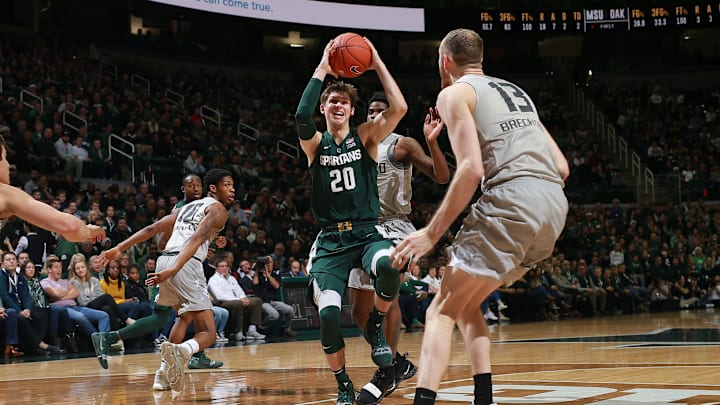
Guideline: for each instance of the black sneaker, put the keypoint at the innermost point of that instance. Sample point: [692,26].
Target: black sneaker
[404,368]
[70,343]
[52,349]
[382,384]
[346,394]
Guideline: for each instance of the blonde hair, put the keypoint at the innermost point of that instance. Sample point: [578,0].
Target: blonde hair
[75,259]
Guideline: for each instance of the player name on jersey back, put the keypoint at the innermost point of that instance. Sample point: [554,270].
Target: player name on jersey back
[517,123]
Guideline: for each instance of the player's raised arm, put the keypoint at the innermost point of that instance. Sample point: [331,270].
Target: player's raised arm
[16,202]
[304,124]
[373,131]
[409,150]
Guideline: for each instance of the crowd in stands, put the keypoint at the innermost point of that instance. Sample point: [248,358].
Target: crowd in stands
[612,257]
[676,131]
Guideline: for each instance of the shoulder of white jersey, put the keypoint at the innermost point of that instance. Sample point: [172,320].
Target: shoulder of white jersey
[391,153]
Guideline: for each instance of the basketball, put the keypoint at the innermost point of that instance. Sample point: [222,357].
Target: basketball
[350,55]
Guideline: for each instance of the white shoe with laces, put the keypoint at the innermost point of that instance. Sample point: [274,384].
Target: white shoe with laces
[161,382]
[490,316]
[176,356]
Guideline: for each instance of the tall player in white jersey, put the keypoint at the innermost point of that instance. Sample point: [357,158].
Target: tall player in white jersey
[397,155]
[180,271]
[495,132]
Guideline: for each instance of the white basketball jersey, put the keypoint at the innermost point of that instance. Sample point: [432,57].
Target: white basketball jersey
[511,136]
[394,180]
[187,222]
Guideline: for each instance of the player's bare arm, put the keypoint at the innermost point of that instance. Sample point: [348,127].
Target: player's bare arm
[304,116]
[559,158]
[16,202]
[372,132]
[165,224]
[408,150]
[455,104]
[215,218]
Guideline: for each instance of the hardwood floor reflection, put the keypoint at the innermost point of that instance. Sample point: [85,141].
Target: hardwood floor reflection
[626,359]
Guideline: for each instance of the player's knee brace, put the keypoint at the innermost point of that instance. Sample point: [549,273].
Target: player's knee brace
[388,279]
[330,335]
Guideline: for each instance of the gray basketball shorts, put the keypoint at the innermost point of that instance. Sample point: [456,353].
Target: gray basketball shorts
[510,227]
[187,290]
[394,229]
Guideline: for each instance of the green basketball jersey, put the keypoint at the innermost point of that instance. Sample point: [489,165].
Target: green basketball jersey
[344,184]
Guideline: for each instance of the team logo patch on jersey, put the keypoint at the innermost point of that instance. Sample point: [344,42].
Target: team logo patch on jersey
[350,143]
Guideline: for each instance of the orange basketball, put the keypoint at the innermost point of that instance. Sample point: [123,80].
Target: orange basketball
[350,55]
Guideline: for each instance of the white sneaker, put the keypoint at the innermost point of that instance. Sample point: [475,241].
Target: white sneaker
[176,356]
[490,316]
[220,338]
[253,334]
[501,305]
[161,382]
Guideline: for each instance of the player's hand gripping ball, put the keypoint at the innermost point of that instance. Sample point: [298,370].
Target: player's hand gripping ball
[350,55]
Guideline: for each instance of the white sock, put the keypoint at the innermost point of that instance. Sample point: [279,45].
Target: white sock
[163,366]
[251,329]
[192,345]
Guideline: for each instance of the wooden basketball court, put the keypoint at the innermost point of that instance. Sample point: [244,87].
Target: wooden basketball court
[663,358]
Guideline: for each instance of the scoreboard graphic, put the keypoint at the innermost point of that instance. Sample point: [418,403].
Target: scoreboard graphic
[687,15]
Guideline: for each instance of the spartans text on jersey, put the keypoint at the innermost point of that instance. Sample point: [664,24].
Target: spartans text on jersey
[341,159]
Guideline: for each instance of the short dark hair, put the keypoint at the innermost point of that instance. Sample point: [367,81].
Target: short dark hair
[379,96]
[51,262]
[214,177]
[189,178]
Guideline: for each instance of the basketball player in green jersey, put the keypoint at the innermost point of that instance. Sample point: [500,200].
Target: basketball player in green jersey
[343,165]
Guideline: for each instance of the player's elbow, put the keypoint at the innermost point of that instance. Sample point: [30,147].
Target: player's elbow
[564,173]
[472,173]
[442,178]
[563,169]
[401,107]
